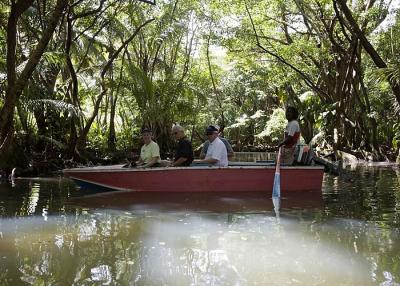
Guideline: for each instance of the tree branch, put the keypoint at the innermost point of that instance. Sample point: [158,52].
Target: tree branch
[307,80]
[376,58]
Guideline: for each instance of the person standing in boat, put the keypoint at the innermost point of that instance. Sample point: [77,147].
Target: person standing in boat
[184,151]
[228,146]
[150,151]
[292,135]
[216,152]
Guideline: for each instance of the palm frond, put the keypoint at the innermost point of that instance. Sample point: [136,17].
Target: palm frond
[57,105]
[391,73]
[55,58]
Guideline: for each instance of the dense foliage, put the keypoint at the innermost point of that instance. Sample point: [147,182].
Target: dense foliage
[80,78]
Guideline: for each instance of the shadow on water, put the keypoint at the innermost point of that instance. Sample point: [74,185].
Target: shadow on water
[53,234]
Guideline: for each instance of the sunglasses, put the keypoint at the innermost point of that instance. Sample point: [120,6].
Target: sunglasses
[209,133]
[175,132]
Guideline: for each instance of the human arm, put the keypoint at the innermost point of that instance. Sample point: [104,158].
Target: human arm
[287,139]
[204,149]
[209,160]
[151,162]
[179,162]
[139,162]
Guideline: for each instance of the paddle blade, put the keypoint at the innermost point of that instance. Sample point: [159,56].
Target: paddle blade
[277,205]
[276,191]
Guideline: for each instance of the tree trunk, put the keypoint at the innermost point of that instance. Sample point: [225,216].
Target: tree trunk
[15,85]
[74,90]
[111,134]
[7,111]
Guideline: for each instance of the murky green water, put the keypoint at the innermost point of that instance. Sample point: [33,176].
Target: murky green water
[51,236]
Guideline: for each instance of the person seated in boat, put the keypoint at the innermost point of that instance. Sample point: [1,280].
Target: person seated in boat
[228,146]
[292,135]
[150,151]
[184,152]
[216,153]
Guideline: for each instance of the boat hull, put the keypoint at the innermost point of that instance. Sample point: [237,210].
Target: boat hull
[199,179]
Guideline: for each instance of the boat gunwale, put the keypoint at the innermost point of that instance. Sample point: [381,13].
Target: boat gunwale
[104,169]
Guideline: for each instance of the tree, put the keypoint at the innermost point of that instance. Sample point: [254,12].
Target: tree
[17,83]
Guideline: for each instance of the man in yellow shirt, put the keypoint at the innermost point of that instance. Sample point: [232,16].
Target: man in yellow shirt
[150,152]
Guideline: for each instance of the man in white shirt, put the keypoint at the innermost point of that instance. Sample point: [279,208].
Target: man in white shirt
[228,146]
[216,152]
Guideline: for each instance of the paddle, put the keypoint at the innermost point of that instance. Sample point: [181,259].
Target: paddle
[276,190]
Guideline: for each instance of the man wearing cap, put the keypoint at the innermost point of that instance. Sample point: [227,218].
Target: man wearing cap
[150,152]
[228,146]
[216,153]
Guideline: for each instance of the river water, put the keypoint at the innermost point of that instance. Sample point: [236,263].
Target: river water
[51,235]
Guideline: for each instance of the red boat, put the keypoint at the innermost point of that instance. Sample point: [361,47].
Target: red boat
[237,177]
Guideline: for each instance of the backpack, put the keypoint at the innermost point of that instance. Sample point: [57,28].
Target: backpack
[303,155]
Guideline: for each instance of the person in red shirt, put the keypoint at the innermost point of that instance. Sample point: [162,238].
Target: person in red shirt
[292,135]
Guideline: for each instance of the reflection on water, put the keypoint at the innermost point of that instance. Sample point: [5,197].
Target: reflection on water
[194,249]
[352,239]
[373,195]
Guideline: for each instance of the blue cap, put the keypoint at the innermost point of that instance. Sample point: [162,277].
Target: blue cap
[146,130]
[211,128]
